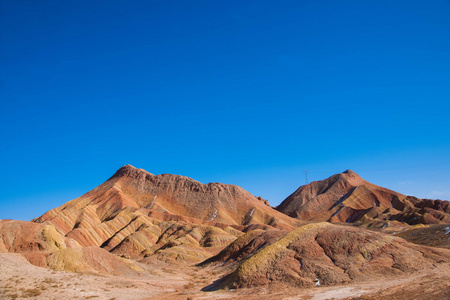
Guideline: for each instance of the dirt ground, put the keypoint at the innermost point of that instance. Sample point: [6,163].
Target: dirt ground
[21,280]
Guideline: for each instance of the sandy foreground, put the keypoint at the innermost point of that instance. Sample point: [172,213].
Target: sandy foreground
[21,280]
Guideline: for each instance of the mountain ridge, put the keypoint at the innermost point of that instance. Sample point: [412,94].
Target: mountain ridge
[347,197]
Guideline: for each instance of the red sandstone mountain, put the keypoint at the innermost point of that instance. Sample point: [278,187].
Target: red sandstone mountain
[172,195]
[136,214]
[346,197]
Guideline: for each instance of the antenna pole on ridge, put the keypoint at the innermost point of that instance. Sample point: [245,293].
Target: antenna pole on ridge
[306,176]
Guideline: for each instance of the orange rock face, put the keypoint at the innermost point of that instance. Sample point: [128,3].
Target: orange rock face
[346,197]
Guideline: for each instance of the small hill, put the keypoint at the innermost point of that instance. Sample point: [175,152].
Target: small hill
[346,197]
[34,241]
[43,246]
[327,254]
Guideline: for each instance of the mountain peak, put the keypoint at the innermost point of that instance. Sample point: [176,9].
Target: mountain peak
[128,167]
[350,173]
[351,177]
[129,171]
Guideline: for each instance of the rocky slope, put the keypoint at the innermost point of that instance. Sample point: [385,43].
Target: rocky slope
[429,235]
[346,197]
[245,246]
[327,254]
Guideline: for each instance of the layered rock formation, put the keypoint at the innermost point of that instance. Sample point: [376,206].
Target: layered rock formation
[173,195]
[346,197]
[44,246]
[138,214]
[34,241]
[245,246]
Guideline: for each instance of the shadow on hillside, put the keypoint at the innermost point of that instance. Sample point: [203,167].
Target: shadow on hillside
[217,284]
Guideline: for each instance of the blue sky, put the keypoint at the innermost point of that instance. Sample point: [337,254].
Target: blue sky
[243,92]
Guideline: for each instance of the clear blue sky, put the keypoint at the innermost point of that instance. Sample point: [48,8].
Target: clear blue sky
[243,92]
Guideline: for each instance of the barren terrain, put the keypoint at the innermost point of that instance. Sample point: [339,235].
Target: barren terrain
[145,236]
[21,280]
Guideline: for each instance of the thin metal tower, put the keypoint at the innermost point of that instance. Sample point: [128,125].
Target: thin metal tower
[306,176]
